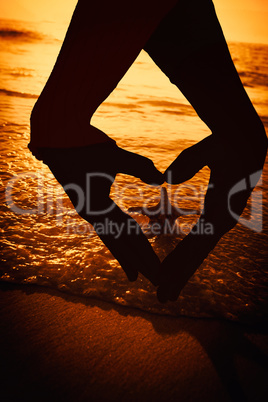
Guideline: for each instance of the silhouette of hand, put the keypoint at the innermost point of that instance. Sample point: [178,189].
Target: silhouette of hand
[92,170]
[235,171]
[131,248]
[138,166]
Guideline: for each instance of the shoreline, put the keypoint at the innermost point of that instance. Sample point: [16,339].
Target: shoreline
[57,346]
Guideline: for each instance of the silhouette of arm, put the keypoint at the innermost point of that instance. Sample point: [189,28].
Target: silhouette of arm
[232,180]
[235,153]
[92,171]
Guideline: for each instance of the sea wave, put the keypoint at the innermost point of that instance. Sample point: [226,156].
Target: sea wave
[15,32]
[168,106]
[253,78]
[20,35]
[162,106]
[55,248]
[18,94]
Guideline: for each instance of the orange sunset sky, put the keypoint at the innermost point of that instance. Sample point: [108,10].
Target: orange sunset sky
[242,20]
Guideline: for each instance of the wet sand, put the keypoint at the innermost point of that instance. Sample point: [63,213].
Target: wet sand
[57,347]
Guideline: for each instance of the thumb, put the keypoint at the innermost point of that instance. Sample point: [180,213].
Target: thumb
[189,162]
[138,166]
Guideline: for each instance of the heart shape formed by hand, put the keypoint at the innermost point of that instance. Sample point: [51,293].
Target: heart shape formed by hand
[161,212]
[72,167]
[234,174]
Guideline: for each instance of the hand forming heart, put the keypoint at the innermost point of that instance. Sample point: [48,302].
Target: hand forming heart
[128,244]
[234,174]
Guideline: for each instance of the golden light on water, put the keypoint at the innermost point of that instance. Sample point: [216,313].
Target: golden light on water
[145,114]
[242,20]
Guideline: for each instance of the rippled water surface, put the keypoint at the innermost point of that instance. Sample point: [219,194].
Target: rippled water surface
[44,242]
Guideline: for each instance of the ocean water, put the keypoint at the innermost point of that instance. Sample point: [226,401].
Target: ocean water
[44,242]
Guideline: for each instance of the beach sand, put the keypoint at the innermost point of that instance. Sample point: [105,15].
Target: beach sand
[58,347]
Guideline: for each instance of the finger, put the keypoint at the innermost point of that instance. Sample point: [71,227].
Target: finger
[180,265]
[131,273]
[138,166]
[128,244]
[190,161]
[122,253]
[162,294]
[165,294]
